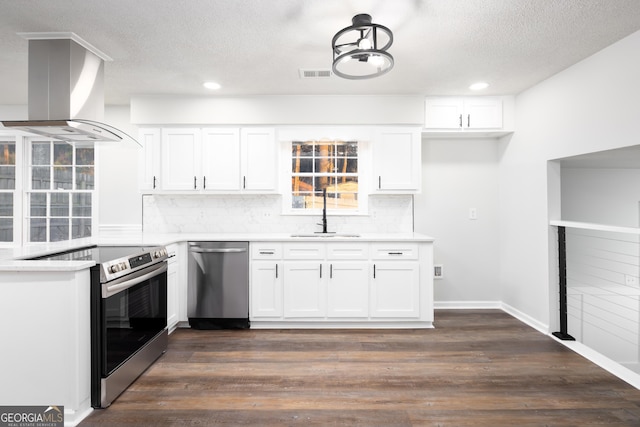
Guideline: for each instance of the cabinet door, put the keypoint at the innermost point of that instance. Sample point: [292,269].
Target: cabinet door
[395,289]
[266,289]
[443,113]
[149,159]
[397,160]
[304,290]
[259,160]
[181,159]
[221,159]
[348,289]
[482,113]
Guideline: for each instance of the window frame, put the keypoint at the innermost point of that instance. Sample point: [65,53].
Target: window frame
[362,136]
[17,190]
[26,217]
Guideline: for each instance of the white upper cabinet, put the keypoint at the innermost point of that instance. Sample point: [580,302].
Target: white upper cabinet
[181,159]
[463,114]
[397,161]
[223,160]
[149,159]
[259,160]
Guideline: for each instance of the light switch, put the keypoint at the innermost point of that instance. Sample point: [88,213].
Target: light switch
[473,213]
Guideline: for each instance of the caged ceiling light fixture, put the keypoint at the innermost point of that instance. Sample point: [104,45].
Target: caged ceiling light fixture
[360,51]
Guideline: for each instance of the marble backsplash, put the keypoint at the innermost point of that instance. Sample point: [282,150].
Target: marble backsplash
[263,213]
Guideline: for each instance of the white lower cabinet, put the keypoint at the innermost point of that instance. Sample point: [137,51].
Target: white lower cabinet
[304,284]
[266,292]
[304,289]
[395,289]
[348,289]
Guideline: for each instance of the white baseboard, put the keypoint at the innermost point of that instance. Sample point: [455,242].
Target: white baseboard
[467,305]
[525,318]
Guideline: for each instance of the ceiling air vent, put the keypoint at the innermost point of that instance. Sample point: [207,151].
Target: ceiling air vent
[306,73]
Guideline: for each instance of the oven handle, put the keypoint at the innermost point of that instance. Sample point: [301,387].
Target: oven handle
[126,282]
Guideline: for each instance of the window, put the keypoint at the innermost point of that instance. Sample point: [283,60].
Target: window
[322,165]
[62,183]
[7,187]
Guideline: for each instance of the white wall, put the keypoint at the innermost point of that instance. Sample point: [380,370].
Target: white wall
[459,174]
[602,196]
[591,106]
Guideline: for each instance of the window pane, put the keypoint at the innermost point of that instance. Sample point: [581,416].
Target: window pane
[59,229]
[302,149]
[62,178]
[41,178]
[41,153]
[59,204]
[6,229]
[38,203]
[84,178]
[301,183]
[38,230]
[7,177]
[7,153]
[6,204]
[62,154]
[81,227]
[82,204]
[84,156]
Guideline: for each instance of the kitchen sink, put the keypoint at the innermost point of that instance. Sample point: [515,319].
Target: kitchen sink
[325,235]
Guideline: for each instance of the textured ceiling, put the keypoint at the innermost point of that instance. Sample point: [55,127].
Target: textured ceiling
[255,47]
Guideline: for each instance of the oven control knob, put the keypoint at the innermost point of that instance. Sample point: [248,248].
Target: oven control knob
[117,267]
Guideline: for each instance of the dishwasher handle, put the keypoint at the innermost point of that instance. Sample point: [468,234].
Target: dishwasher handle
[200,250]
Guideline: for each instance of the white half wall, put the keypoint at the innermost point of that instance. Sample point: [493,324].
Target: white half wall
[591,106]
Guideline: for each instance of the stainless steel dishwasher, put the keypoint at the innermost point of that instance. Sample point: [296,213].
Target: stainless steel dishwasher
[218,285]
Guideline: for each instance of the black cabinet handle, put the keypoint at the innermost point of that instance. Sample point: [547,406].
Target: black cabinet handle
[195,181]
[154,182]
[276,271]
[266,252]
[204,182]
[394,253]
[330,271]
[321,271]
[460,120]
[244,182]
[374,271]
[468,120]
[379,182]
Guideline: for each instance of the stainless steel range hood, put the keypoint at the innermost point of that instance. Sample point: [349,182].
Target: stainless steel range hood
[66,91]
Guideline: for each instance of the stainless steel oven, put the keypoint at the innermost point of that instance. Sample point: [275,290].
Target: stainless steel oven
[128,315]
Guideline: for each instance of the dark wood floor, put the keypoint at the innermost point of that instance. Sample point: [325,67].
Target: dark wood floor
[476,368]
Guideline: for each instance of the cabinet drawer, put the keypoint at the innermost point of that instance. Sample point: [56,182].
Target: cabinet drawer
[394,250]
[304,251]
[266,250]
[348,251]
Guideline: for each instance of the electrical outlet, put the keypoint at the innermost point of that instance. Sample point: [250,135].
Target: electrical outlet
[630,280]
[437,271]
[473,213]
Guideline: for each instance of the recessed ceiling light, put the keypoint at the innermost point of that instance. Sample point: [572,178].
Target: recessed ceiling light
[212,85]
[479,86]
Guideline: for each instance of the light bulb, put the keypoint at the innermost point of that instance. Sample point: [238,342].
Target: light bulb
[364,44]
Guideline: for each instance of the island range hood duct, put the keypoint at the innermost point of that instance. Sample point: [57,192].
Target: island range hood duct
[66,91]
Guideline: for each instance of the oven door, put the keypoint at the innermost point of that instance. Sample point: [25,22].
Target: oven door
[129,330]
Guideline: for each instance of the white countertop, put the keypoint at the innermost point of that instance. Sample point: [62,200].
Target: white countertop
[16,259]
